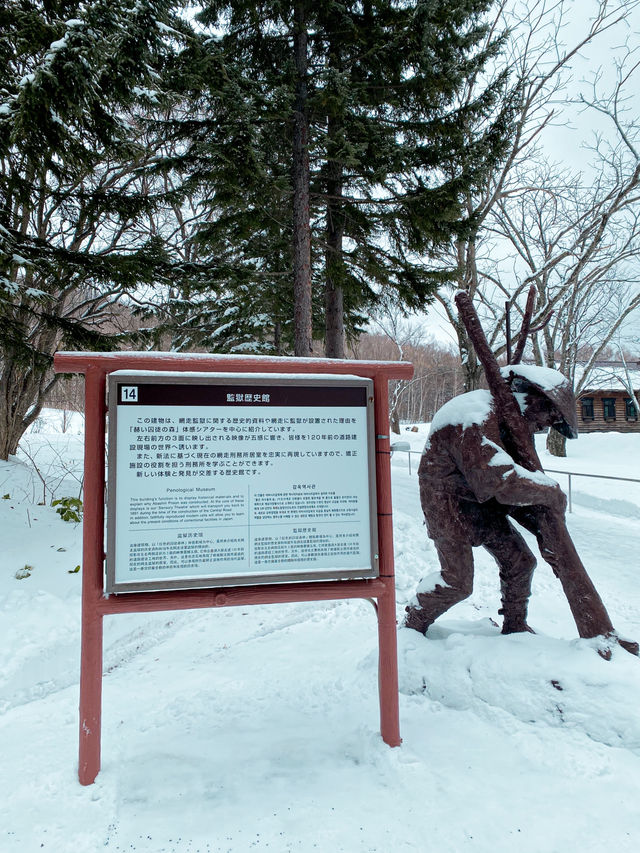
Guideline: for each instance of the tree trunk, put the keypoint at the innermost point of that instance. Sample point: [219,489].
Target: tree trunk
[556,443]
[334,320]
[472,372]
[334,231]
[302,316]
[334,296]
[22,393]
[277,337]
[9,438]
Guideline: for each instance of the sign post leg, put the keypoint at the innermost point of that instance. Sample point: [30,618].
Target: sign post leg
[92,578]
[387,633]
[388,668]
[90,699]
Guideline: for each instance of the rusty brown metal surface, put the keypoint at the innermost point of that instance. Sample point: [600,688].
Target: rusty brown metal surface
[474,477]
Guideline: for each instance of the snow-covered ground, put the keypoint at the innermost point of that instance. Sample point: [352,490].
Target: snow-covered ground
[257,728]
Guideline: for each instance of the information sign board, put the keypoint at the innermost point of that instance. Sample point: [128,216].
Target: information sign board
[220,479]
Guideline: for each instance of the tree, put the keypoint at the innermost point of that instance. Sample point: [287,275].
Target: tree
[230,148]
[71,76]
[539,63]
[300,173]
[579,245]
[393,163]
[369,93]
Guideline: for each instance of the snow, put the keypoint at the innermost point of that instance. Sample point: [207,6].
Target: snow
[545,377]
[257,728]
[502,458]
[143,91]
[166,29]
[9,286]
[238,377]
[607,376]
[200,356]
[474,407]
[430,582]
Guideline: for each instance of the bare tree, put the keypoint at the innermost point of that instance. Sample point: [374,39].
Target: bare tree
[540,67]
[390,320]
[579,242]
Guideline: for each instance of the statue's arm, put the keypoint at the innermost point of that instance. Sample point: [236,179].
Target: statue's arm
[492,473]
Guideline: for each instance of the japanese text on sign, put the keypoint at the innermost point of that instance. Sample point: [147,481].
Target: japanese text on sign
[238,479]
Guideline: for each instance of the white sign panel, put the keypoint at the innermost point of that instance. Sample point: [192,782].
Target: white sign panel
[218,479]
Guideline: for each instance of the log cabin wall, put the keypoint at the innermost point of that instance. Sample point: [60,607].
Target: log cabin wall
[606,411]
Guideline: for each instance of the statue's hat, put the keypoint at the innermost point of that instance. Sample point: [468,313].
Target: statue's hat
[524,378]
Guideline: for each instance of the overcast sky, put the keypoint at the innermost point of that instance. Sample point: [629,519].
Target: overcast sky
[567,140]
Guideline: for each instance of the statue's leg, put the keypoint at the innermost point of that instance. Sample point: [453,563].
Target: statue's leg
[516,563]
[437,593]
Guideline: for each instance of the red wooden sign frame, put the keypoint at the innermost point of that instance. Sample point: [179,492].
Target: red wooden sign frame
[96,605]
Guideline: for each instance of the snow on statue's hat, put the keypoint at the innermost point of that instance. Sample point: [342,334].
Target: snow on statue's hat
[553,385]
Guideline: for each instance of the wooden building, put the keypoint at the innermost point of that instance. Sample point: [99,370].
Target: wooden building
[604,404]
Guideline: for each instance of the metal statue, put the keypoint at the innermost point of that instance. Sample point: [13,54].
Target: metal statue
[479,470]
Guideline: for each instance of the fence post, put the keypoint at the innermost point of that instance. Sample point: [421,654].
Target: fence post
[569,496]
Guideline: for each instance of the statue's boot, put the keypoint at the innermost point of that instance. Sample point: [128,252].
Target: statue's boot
[516,626]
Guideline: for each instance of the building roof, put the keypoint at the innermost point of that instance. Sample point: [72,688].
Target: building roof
[608,376]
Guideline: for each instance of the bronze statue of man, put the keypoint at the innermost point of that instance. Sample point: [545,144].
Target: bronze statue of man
[480,468]
[470,487]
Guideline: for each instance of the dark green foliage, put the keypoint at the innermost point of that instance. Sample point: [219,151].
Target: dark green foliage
[74,183]
[147,163]
[69,509]
[393,150]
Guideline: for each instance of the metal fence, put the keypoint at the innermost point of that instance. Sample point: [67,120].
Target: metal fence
[568,474]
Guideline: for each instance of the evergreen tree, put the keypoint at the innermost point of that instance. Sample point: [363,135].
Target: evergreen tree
[374,86]
[232,141]
[394,161]
[73,78]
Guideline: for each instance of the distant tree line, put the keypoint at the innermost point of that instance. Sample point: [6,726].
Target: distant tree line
[437,378]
